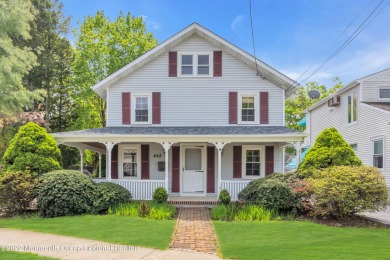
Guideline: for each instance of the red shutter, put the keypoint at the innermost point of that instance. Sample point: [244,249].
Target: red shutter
[269,160]
[175,168]
[217,63]
[233,107]
[114,162]
[145,161]
[172,64]
[210,169]
[237,161]
[126,108]
[156,108]
[263,107]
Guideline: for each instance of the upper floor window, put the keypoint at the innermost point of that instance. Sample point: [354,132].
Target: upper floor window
[352,108]
[141,105]
[248,108]
[378,152]
[195,64]
[384,93]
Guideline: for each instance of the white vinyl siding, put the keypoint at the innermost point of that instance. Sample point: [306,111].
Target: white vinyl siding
[371,123]
[371,86]
[194,101]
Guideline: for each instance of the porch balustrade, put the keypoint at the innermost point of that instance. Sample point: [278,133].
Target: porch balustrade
[234,187]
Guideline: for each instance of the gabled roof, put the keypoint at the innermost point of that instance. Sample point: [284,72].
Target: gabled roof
[345,88]
[265,70]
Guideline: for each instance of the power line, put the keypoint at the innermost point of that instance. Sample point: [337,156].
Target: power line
[253,39]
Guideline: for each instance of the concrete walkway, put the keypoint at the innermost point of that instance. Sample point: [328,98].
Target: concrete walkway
[380,216]
[77,248]
[194,231]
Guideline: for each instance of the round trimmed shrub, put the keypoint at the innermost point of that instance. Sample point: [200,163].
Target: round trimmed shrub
[17,191]
[345,190]
[224,197]
[32,149]
[272,192]
[330,149]
[160,195]
[108,194]
[65,193]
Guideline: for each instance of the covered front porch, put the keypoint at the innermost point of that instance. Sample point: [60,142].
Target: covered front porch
[192,163]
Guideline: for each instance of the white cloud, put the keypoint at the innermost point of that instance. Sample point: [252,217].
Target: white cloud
[150,23]
[237,24]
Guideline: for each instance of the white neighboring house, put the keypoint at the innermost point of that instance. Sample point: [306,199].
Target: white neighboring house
[360,111]
[191,115]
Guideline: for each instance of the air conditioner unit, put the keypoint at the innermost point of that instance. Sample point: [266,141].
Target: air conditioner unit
[334,101]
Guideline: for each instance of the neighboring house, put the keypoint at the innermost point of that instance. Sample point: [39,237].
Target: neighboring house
[360,111]
[192,115]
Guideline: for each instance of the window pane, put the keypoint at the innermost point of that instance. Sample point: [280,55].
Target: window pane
[378,147]
[141,115]
[248,102]
[384,93]
[354,108]
[378,161]
[354,147]
[130,155]
[203,70]
[193,159]
[349,109]
[248,115]
[141,102]
[186,70]
[203,59]
[186,59]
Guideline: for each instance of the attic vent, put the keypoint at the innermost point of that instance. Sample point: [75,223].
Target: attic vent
[334,101]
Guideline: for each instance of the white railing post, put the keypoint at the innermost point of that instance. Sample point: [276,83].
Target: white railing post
[219,146]
[298,149]
[81,159]
[166,146]
[100,165]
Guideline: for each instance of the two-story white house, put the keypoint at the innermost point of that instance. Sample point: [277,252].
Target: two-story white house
[195,115]
[360,111]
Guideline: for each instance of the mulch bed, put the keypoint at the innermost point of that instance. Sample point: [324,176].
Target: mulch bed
[353,221]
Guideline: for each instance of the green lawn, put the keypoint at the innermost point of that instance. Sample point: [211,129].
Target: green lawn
[109,228]
[21,256]
[300,240]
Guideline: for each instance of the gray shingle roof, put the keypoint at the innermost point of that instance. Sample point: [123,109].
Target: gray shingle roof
[381,105]
[184,130]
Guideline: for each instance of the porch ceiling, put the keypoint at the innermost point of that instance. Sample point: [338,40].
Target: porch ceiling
[237,133]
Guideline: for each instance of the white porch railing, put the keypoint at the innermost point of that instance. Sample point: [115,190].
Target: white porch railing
[234,187]
[140,189]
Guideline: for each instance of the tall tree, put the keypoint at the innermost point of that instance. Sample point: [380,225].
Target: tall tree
[15,19]
[103,47]
[297,103]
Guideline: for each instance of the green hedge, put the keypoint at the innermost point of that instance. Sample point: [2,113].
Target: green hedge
[108,194]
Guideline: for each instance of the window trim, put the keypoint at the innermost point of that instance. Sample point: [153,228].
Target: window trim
[133,105]
[379,89]
[353,109]
[261,148]
[195,64]
[121,147]
[257,108]
[378,138]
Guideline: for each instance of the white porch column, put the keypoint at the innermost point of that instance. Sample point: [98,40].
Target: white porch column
[81,159]
[219,146]
[109,146]
[100,165]
[298,149]
[166,146]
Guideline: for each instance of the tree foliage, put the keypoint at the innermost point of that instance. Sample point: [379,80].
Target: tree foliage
[103,47]
[32,149]
[298,102]
[15,19]
[330,149]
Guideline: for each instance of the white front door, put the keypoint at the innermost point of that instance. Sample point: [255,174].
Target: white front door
[193,162]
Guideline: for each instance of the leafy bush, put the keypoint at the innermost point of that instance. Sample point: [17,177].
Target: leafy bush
[109,194]
[330,149]
[239,212]
[17,191]
[160,195]
[32,149]
[273,192]
[224,197]
[157,211]
[344,190]
[65,192]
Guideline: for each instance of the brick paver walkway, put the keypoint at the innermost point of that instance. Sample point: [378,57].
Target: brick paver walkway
[194,231]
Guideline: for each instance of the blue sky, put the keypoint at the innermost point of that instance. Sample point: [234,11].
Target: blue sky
[290,35]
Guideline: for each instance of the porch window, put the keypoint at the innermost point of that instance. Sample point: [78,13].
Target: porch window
[141,107]
[130,161]
[195,64]
[248,104]
[378,153]
[253,161]
[352,108]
